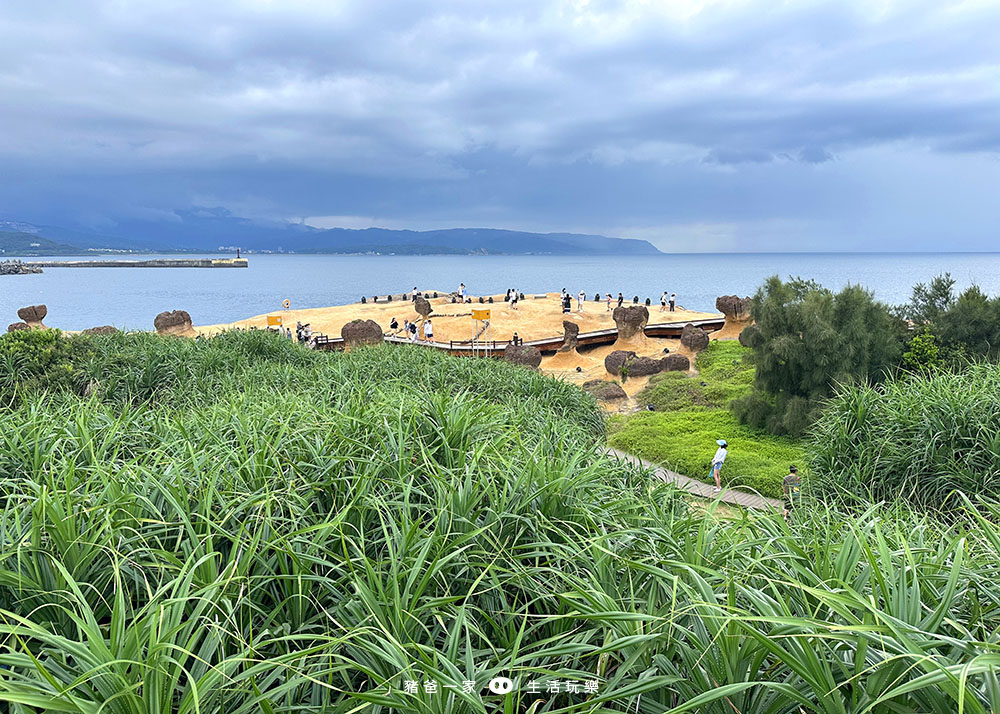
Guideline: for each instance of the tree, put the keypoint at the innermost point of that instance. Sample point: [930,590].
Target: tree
[805,341]
[928,302]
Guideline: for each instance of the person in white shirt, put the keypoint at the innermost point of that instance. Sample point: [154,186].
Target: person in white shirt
[461,292]
[428,331]
[580,297]
[717,461]
[663,301]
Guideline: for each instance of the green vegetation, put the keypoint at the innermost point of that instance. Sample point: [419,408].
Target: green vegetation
[688,418]
[967,326]
[806,341]
[239,525]
[917,438]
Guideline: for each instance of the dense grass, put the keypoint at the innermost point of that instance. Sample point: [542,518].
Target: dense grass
[919,438]
[688,418]
[244,526]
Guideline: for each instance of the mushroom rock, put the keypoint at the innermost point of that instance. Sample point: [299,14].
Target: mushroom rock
[605,391]
[361,332]
[422,305]
[630,321]
[173,322]
[524,355]
[694,338]
[570,332]
[644,366]
[102,330]
[33,315]
[16,326]
[734,307]
[614,361]
[675,363]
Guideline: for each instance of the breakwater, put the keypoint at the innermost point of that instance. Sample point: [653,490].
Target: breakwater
[152,263]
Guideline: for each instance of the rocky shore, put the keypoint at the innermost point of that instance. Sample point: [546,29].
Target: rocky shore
[17,267]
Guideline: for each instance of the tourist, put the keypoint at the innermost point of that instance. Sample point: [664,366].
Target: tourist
[506,298]
[394,326]
[513,299]
[288,333]
[413,332]
[515,340]
[609,301]
[790,488]
[567,304]
[580,297]
[428,330]
[663,301]
[621,299]
[298,331]
[461,292]
[717,461]
[673,301]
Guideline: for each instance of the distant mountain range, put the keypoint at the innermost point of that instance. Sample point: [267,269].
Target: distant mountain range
[211,230]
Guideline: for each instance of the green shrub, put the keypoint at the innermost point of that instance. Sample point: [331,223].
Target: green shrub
[918,438]
[685,442]
[922,351]
[805,341]
[34,360]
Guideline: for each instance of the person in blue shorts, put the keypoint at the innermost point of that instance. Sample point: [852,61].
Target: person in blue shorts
[717,461]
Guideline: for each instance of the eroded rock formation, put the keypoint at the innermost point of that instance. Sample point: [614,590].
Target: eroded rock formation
[605,391]
[524,355]
[173,322]
[571,331]
[694,338]
[422,305]
[614,361]
[102,330]
[675,363]
[361,332]
[33,315]
[16,326]
[734,307]
[630,321]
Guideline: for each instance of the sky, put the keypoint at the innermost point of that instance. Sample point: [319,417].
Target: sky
[754,125]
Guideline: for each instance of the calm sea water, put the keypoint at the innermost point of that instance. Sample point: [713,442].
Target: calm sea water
[131,297]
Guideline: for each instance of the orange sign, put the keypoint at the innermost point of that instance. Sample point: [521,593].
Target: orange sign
[274,320]
[480,313]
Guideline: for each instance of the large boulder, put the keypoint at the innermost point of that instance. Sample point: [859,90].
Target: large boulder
[33,315]
[694,338]
[630,321]
[605,391]
[524,355]
[675,363]
[644,366]
[361,332]
[16,326]
[422,305]
[734,307]
[173,322]
[102,330]
[614,361]
[571,331]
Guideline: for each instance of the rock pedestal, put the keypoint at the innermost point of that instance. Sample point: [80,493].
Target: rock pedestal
[675,363]
[361,332]
[605,391]
[33,315]
[630,321]
[17,326]
[422,305]
[571,331]
[524,355]
[614,361]
[173,322]
[737,312]
[694,338]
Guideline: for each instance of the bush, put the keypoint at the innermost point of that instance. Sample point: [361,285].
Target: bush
[805,341]
[917,438]
[685,442]
[721,366]
[33,360]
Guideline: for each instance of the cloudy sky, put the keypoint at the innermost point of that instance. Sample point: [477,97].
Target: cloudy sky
[699,125]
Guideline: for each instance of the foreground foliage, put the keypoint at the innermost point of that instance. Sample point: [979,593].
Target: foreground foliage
[918,438]
[240,525]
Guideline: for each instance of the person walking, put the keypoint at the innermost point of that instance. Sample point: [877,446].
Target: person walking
[513,299]
[717,461]
[461,292]
[663,301]
[567,303]
[394,326]
[790,488]
[580,298]
[609,302]
[413,332]
[428,330]
[673,301]
[621,299]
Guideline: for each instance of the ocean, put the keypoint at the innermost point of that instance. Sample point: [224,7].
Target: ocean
[130,298]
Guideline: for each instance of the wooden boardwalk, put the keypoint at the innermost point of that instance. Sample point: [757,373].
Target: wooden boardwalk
[546,344]
[700,489]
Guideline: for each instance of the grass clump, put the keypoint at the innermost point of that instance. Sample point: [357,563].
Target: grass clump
[918,437]
[721,366]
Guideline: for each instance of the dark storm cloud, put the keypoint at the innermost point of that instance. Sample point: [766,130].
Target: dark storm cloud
[618,116]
